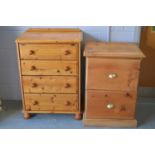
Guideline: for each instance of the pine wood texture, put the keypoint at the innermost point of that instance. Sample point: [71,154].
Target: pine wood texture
[49,51]
[48,35]
[112,49]
[50,84]
[47,102]
[123,102]
[49,67]
[99,70]
[112,72]
[115,123]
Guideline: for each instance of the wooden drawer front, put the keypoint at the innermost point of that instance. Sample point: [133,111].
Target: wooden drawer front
[36,67]
[112,74]
[50,84]
[49,51]
[107,104]
[59,102]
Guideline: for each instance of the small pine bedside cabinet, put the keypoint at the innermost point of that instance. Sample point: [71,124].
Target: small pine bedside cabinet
[112,71]
[49,65]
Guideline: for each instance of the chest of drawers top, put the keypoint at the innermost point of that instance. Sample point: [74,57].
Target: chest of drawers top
[113,49]
[50,35]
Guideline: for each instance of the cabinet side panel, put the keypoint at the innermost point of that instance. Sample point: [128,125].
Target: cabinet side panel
[20,77]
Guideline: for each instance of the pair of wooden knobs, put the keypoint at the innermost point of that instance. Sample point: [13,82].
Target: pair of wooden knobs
[67,85]
[37,103]
[67,52]
[67,68]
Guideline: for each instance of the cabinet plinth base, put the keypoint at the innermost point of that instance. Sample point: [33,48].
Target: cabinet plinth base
[119,123]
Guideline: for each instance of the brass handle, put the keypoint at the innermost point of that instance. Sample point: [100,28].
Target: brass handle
[67,85]
[67,68]
[68,103]
[33,68]
[67,52]
[34,85]
[35,103]
[32,52]
[112,76]
[110,106]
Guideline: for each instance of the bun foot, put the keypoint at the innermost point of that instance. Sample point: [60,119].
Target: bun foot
[78,116]
[27,115]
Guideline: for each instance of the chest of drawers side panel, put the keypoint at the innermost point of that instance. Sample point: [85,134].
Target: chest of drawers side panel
[20,74]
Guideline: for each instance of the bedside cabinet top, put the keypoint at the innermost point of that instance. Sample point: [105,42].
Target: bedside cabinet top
[50,35]
[112,49]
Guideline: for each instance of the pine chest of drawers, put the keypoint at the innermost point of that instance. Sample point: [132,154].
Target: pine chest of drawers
[112,71]
[49,65]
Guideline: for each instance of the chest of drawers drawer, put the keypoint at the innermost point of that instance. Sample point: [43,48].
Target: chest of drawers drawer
[50,84]
[112,74]
[41,67]
[49,51]
[49,65]
[60,102]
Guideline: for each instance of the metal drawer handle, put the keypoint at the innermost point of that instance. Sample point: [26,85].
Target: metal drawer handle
[110,106]
[112,76]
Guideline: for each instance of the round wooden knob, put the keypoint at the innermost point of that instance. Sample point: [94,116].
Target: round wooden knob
[68,103]
[33,68]
[34,85]
[67,68]
[32,52]
[67,85]
[35,103]
[67,52]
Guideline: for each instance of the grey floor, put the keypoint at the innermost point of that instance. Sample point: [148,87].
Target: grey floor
[11,117]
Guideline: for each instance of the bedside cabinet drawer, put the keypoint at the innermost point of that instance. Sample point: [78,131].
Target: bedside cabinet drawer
[36,67]
[112,74]
[60,102]
[107,104]
[50,84]
[49,51]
